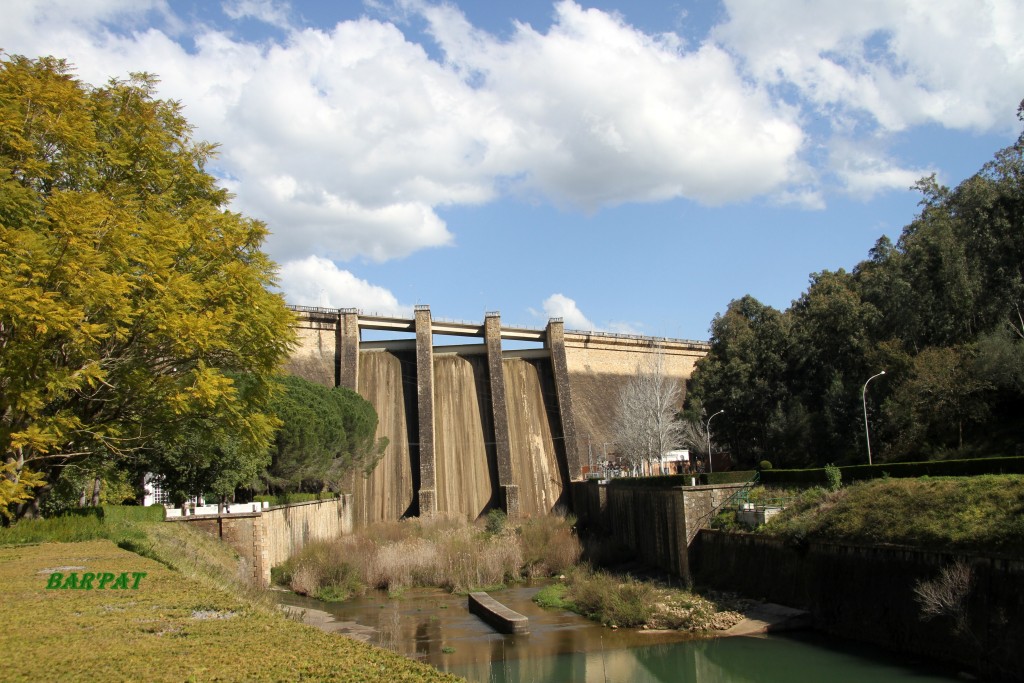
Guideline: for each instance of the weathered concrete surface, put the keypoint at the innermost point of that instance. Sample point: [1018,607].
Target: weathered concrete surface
[499,414]
[867,593]
[267,539]
[466,482]
[547,410]
[658,524]
[425,409]
[497,615]
[768,617]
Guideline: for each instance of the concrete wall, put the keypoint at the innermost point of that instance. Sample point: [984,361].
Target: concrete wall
[267,539]
[528,446]
[658,524]
[866,593]
[599,365]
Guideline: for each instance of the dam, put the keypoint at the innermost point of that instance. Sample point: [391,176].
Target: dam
[474,427]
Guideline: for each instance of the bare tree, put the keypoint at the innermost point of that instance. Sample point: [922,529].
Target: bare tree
[646,426]
[947,594]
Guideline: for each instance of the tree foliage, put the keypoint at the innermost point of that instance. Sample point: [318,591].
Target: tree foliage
[127,290]
[327,435]
[939,310]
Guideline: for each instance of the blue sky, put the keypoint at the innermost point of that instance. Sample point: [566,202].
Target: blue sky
[628,166]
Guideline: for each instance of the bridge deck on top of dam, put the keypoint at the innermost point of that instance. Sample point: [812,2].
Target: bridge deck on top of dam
[476,426]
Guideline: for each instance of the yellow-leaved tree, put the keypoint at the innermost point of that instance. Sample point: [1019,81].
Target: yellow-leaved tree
[129,294]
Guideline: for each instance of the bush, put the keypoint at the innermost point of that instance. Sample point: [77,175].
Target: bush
[933,468]
[496,521]
[765,465]
[732,477]
[549,545]
[834,476]
[608,599]
[674,480]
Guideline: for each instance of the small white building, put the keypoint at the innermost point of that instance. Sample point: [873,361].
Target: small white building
[675,462]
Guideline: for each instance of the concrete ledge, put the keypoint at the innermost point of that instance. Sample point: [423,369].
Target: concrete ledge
[770,618]
[497,615]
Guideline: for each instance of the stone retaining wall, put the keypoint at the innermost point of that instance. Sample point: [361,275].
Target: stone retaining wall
[866,593]
[268,538]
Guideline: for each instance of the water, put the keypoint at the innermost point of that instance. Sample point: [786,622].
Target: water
[436,627]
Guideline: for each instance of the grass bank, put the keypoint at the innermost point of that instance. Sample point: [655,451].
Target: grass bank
[189,619]
[629,602]
[441,552]
[978,514]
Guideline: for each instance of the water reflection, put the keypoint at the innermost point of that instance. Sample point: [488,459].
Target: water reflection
[437,628]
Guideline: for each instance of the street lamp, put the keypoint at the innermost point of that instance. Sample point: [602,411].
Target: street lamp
[864,400]
[708,430]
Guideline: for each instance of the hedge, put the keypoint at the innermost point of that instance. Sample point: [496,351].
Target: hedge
[932,468]
[121,513]
[731,477]
[673,480]
[286,498]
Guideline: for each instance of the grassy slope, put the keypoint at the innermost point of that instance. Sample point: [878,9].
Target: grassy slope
[181,624]
[982,514]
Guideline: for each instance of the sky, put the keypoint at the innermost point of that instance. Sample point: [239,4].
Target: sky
[630,166]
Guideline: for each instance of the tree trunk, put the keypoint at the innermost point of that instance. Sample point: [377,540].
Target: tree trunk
[97,484]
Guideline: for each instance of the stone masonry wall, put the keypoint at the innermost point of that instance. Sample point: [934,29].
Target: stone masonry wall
[267,539]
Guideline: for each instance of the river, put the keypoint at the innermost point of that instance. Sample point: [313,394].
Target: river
[436,627]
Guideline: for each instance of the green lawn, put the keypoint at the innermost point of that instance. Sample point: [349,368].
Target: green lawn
[172,627]
[982,514]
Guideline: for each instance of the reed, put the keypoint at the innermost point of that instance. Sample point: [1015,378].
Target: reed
[442,552]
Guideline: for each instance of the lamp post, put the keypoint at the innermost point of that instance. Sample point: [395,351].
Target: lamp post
[708,430]
[864,400]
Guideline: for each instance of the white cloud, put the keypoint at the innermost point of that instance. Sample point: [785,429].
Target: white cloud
[315,281]
[600,113]
[958,63]
[347,140]
[561,306]
[350,140]
[267,11]
[865,172]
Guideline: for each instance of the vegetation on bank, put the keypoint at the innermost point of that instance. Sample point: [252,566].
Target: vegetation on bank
[442,552]
[191,617]
[981,514]
[629,602]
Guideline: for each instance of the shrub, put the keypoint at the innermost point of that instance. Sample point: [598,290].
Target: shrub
[947,594]
[765,464]
[549,545]
[610,600]
[834,476]
[496,521]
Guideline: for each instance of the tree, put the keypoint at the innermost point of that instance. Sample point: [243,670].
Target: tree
[940,400]
[646,426]
[326,436]
[127,291]
[746,373]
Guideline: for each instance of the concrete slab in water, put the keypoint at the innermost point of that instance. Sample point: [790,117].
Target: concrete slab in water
[769,617]
[497,615]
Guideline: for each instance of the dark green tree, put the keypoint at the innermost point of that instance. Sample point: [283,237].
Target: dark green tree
[746,374]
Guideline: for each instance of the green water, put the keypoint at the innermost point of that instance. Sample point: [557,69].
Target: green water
[774,659]
[436,627]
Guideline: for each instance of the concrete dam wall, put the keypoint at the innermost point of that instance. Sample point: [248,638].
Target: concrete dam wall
[478,426]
